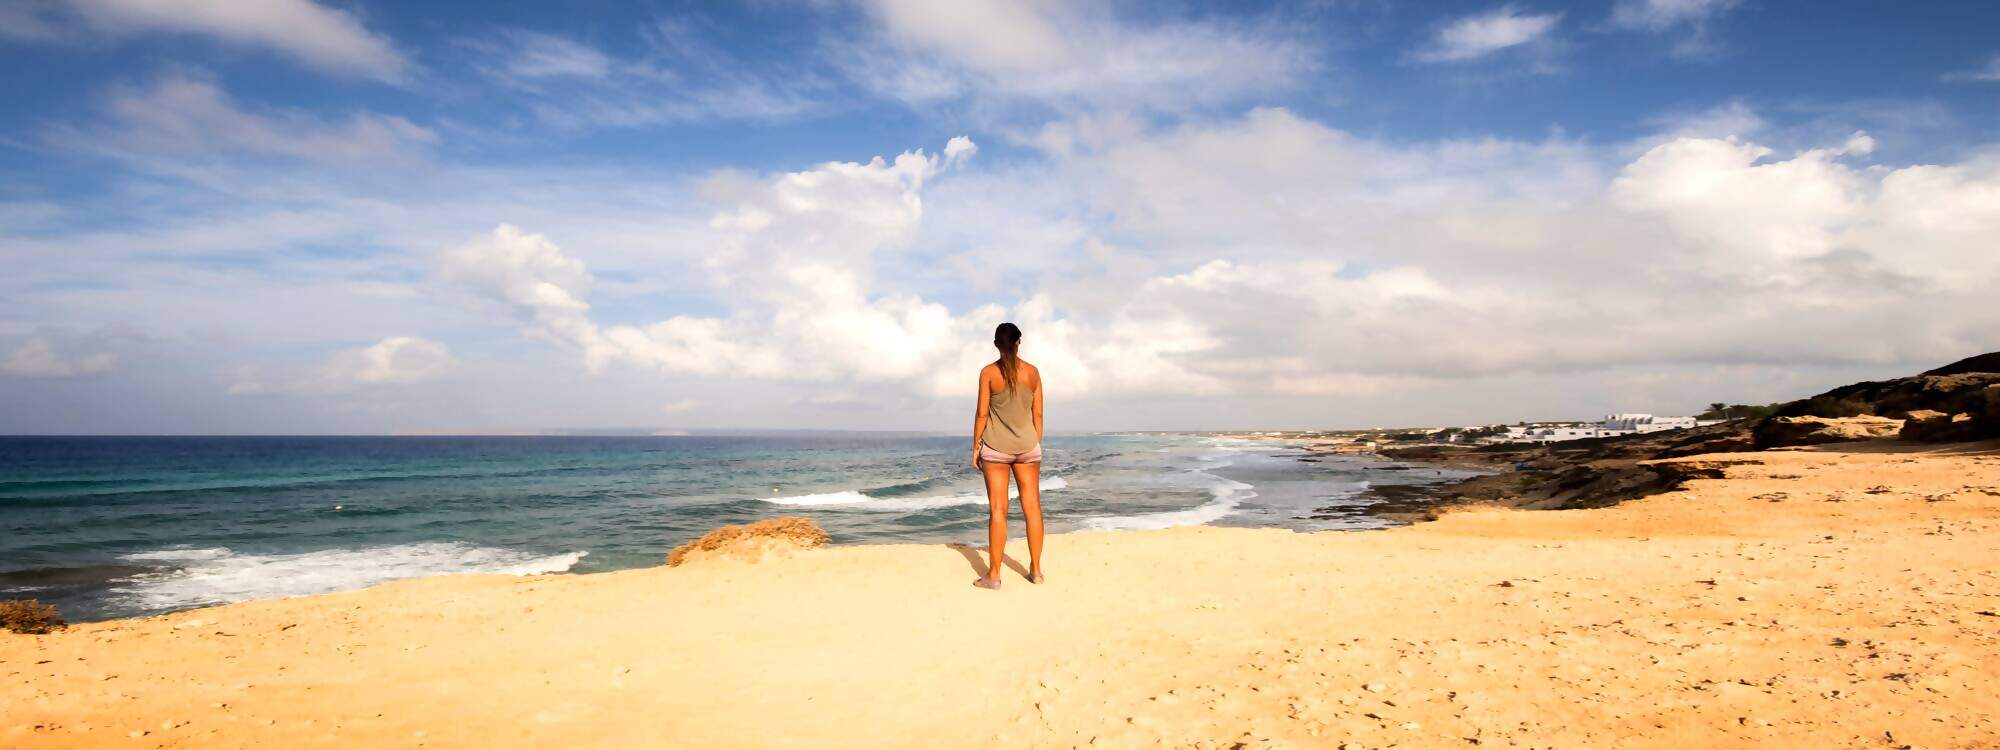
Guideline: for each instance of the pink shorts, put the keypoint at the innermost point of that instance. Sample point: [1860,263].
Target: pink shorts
[987,454]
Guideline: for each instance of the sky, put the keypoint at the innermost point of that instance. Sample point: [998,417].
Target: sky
[372,217]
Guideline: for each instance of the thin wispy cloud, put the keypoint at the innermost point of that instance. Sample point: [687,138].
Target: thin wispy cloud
[328,39]
[535,56]
[30,20]
[1067,54]
[1731,120]
[1657,15]
[181,115]
[1481,35]
[39,357]
[1988,73]
[1690,22]
[673,76]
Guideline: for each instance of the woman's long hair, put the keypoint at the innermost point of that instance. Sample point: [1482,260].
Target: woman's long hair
[1007,338]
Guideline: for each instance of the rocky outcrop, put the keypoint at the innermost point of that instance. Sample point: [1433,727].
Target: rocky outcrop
[752,541]
[1988,362]
[1956,402]
[1728,437]
[1935,427]
[1590,473]
[1610,483]
[1595,484]
[1782,432]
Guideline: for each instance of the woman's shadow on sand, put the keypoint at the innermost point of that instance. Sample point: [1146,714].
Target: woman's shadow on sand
[977,560]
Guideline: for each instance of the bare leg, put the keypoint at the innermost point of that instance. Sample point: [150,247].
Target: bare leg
[996,527]
[1029,478]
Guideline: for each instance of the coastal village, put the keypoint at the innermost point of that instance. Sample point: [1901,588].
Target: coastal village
[1614,425]
[1611,426]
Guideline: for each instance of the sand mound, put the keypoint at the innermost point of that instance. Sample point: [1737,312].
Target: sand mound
[751,541]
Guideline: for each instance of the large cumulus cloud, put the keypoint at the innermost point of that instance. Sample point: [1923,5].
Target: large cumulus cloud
[1273,255]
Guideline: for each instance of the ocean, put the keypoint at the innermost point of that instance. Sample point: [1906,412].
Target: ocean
[110,527]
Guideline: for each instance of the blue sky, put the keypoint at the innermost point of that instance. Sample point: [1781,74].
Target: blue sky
[298,216]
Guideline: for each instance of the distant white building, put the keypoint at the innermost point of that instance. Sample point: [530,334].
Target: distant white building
[1611,426]
[1552,433]
[1646,423]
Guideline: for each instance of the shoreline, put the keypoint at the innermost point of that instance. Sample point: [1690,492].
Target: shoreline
[859,507]
[1563,475]
[1404,504]
[1803,597]
[1399,503]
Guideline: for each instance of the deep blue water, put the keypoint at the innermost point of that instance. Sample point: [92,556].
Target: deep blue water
[121,526]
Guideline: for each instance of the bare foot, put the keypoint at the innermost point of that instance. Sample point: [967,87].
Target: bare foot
[988,583]
[1035,577]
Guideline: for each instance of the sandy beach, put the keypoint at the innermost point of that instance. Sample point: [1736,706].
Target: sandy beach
[1840,596]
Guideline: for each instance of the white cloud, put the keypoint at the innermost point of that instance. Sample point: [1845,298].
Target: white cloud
[1066,54]
[538,55]
[985,34]
[30,20]
[1479,35]
[1734,119]
[794,258]
[1704,250]
[531,275]
[1693,18]
[1987,74]
[1259,268]
[958,149]
[1447,260]
[678,75]
[397,360]
[329,39]
[183,116]
[1655,15]
[39,357]
[792,255]
[1283,257]
[1726,193]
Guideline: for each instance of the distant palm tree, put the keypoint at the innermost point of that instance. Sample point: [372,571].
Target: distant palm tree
[1717,406]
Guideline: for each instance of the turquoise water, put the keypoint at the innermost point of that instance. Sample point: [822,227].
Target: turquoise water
[112,527]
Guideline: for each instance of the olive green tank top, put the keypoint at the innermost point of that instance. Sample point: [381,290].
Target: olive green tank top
[1010,421]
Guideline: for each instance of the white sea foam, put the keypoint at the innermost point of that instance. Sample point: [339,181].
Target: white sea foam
[851,500]
[1225,495]
[1218,452]
[178,555]
[824,498]
[906,504]
[217,575]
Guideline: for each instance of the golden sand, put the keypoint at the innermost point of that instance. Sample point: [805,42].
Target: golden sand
[1838,597]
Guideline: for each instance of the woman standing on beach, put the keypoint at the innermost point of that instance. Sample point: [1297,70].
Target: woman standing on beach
[1007,435]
